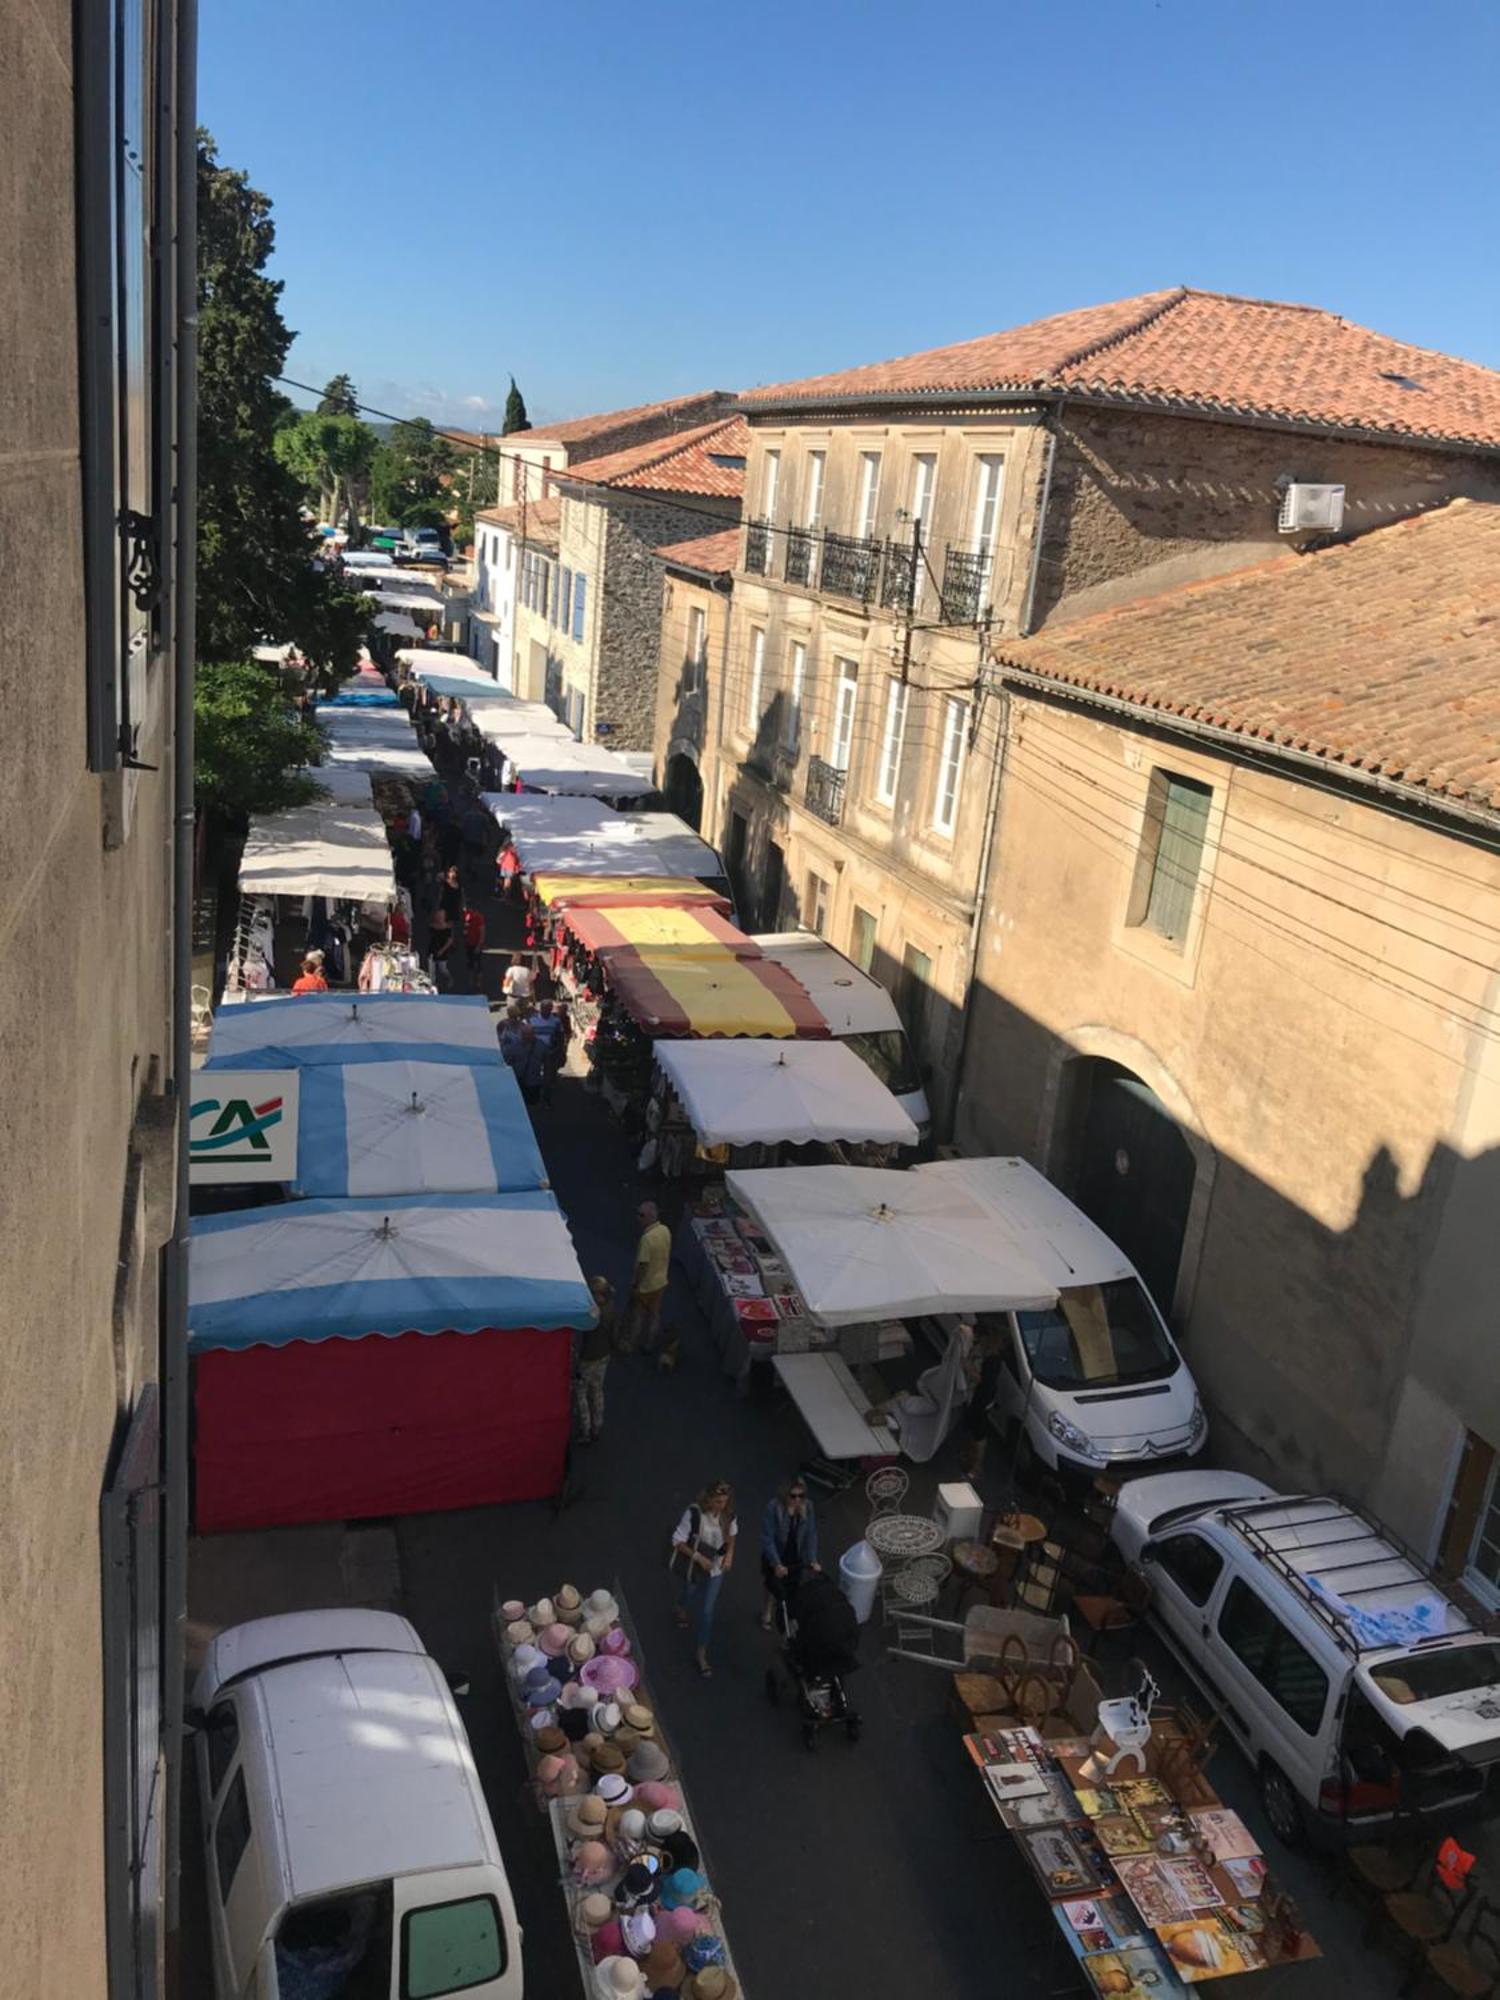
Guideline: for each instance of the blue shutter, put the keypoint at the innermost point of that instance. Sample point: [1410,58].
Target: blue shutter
[578,583]
[1179,855]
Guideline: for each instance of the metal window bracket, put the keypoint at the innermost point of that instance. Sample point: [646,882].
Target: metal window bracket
[143,570]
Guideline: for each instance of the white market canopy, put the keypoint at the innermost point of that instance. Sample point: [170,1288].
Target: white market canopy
[549,763]
[372,1128]
[331,849]
[746,1092]
[572,836]
[405,600]
[305,1030]
[344,784]
[371,739]
[873,1243]
[397,624]
[500,718]
[1034,1219]
[427,663]
[368,559]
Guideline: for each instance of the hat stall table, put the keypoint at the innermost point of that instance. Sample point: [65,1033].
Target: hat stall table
[558,1808]
[380,1356]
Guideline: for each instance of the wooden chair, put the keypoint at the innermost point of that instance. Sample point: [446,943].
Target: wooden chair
[1427,1913]
[1119,1610]
[1468,1966]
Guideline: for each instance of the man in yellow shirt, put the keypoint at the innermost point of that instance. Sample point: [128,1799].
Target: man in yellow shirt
[653,1258]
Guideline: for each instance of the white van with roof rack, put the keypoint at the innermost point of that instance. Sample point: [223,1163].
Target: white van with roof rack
[1360,1690]
[349,1848]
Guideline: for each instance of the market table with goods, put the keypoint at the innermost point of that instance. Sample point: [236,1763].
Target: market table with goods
[1153,1884]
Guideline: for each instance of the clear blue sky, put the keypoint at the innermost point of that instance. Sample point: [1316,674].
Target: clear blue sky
[616,203]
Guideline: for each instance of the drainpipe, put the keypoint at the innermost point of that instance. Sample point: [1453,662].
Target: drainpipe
[174,1359]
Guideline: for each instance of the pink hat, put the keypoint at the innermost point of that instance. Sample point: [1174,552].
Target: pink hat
[554,1640]
[678,1925]
[557,1776]
[607,1941]
[609,1673]
[657,1797]
[614,1641]
[512,1610]
[592,1861]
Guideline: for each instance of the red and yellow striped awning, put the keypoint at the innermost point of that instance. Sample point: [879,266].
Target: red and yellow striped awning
[657,927]
[709,989]
[582,892]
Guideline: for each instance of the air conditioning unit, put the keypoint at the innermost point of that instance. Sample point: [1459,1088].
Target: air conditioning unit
[1311,510]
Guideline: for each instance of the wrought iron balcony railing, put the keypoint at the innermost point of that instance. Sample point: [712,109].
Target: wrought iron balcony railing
[799,555]
[966,583]
[757,548]
[850,567]
[823,792]
[900,577]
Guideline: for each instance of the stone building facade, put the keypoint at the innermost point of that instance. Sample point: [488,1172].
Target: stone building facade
[86,1015]
[691,674]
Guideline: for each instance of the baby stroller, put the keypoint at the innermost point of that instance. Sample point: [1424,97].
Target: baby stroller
[820,1645]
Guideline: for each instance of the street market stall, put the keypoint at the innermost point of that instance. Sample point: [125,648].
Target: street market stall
[557,764]
[557,893]
[375,738]
[755,1093]
[331,850]
[573,836]
[380,1356]
[303,1031]
[641,1904]
[403,1127]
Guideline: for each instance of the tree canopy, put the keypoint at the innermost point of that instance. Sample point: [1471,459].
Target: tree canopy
[408,476]
[255,575]
[339,399]
[330,456]
[516,418]
[251,748]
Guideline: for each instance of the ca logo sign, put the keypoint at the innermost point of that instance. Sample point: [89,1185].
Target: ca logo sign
[237,1134]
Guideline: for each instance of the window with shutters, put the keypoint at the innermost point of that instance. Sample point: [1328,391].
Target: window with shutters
[888,776]
[124,224]
[1171,855]
[756,685]
[580,582]
[950,769]
[791,713]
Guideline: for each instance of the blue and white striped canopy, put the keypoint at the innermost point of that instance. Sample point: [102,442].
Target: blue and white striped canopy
[306,1030]
[414,1128]
[339,1270]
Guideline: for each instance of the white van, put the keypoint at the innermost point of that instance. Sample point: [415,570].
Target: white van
[859,1012]
[1360,1692]
[1095,1382]
[349,1848]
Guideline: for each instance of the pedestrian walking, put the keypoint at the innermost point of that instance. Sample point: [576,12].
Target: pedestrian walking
[550,1030]
[982,1370]
[311,979]
[788,1545]
[474,939]
[521,1050]
[703,1555]
[451,895]
[516,985]
[440,950]
[648,1284]
[508,869]
[595,1346]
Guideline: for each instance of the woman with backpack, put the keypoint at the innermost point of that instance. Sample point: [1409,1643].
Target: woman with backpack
[703,1555]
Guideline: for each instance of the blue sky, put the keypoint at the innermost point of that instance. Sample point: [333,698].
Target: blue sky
[617,203]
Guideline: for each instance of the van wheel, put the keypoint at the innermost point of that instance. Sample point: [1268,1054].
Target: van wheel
[1282,1806]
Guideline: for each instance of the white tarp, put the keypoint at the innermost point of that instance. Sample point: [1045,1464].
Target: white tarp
[318,850]
[427,663]
[746,1092]
[571,836]
[345,784]
[872,1243]
[1034,1219]
[405,600]
[397,624]
[501,717]
[303,1029]
[371,739]
[552,764]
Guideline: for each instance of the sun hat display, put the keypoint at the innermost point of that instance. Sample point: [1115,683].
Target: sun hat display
[576,1695]
[663,1966]
[594,1909]
[608,1942]
[605,1717]
[613,1789]
[592,1861]
[512,1610]
[703,1951]
[580,1648]
[640,1718]
[639,1932]
[557,1776]
[608,1762]
[600,1604]
[615,1641]
[519,1632]
[663,1821]
[680,1850]
[619,1979]
[526,1656]
[554,1639]
[586,1819]
[648,1763]
[543,1612]
[683,1885]
[712,1983]
[654,1796]
[550,1739]
[568,1604]
[681,1923]
[610,1673]
[640,1884]
[597,1626]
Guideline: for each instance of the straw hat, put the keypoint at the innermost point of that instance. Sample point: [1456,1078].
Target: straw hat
[512,1610]
[554,1639]
[640,1718]
[550,1741]
[519,1632]
[648,1764]
[543,1612]
[568,1605]
[597,1625]
[619,1979]
[663,1966]
[613,1789]
[575,1695]
[664,1821]
[599,1604]
[625,1830]
[712,1983]
[586,1819]
[625,1740]
[605,1717]
[580,1648]
[592,1861]
[608,1762]
[594,1909]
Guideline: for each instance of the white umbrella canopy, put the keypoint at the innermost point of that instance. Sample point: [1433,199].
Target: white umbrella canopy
[868,1243]
[398,624]
[747,1092]
[1035,1218]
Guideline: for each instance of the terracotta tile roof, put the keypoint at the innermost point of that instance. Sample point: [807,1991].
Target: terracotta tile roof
[582,431]
[711,555]
[1378,654]
[543,519]
[709,460]
[1206,351]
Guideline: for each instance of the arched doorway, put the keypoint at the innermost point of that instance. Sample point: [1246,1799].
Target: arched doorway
[684,790]
[1129,1166]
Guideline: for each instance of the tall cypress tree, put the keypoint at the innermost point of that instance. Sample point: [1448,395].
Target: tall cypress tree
[516,418]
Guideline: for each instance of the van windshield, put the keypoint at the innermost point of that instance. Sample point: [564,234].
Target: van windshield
[1444,1671]
[887,1053]
[1096,1337]
[337,1947]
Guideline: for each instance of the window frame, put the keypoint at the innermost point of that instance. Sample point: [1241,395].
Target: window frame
[1188,1538]
[237,1798]
[791,715]
[892,741]
[819,902]
[952,756]
[1485,1588]
[770,484]
[869,495]
[988,500]
[1145,912]
[841,732]
[858,919]
[697,649]
[817,486]
[755,689]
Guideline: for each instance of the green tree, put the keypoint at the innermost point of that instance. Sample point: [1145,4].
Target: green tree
[409,477]
[252,750]
[339,399]
[256,580]
[516,418]
[330,456]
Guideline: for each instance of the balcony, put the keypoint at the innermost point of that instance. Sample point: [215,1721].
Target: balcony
[966,581]
[799,555]
[757,548]
[823,792]
[900,578]
[850,567]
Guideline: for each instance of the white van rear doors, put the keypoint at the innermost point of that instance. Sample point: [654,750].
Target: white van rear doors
[455,1931]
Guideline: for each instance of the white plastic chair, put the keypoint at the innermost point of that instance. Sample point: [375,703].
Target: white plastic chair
[1127,1724]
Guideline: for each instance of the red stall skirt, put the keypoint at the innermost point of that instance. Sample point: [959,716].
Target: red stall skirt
[338,1430]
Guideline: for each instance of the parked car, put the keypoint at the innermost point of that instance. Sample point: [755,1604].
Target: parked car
[424,547]
[1359,1690]
[1095,1382]
[859,1012]
[348,1844]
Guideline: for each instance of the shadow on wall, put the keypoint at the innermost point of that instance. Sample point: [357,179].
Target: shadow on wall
[1302,1336]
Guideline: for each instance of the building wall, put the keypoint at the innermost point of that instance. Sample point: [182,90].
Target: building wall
[687,700]
[84,1024]
[625,638]
[1136,492]
[1314,1037]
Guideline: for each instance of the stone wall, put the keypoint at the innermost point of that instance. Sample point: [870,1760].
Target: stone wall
[1137,492]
